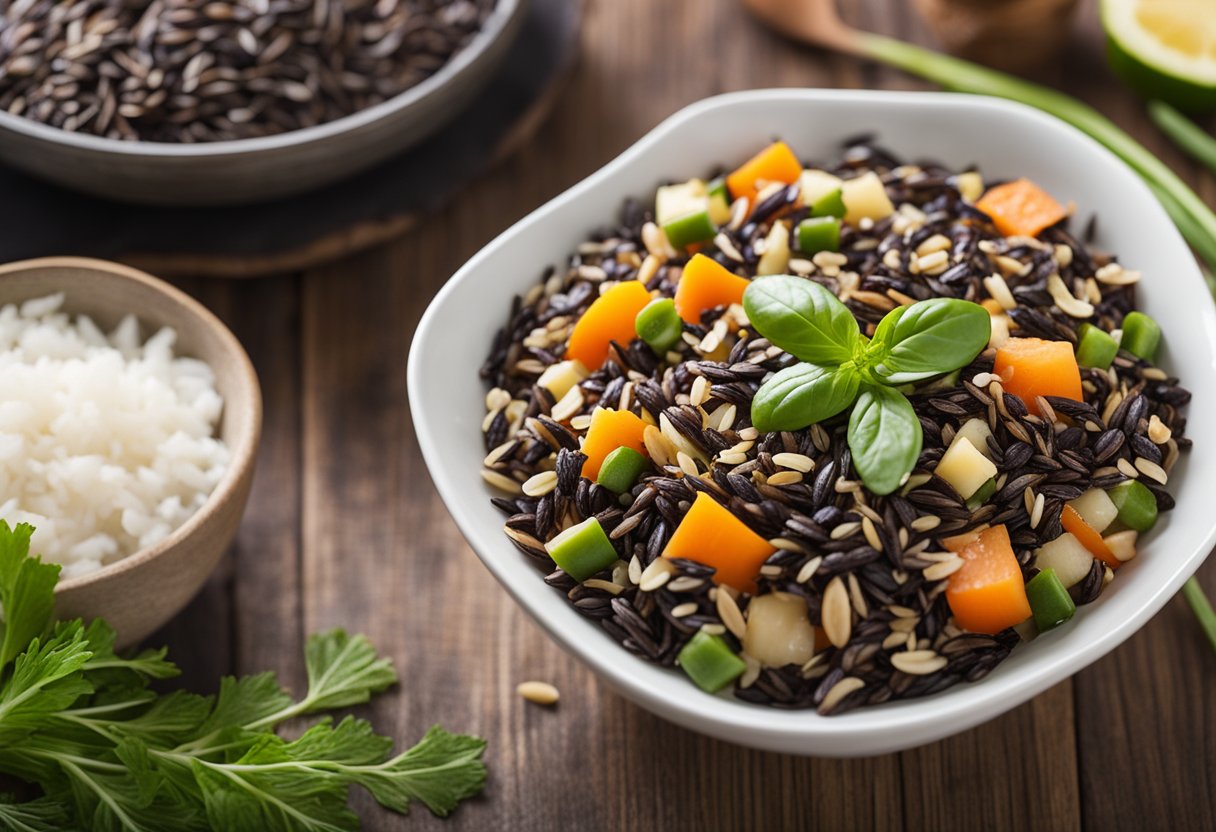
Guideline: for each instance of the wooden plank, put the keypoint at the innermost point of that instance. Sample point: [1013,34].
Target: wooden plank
[246,619]
[1017,772]
[267,615]
[199,638]
[1147,727]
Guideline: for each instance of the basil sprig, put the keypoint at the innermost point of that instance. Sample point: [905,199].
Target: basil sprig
[839,367]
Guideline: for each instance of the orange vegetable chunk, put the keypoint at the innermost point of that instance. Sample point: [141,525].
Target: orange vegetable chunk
[776,163]
[1031,367]
[704,284]
[711,535]
[987,594]
[609,430]
[609,318]
[1090,539]
[1021,207]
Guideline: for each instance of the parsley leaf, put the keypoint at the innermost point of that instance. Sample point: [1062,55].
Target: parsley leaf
[109,753]
[27,591]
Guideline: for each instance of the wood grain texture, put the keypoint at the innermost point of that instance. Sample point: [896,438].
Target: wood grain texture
[346,529]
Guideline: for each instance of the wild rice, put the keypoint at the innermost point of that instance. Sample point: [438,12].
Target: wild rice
[540,693]
[871,570]
[180,71]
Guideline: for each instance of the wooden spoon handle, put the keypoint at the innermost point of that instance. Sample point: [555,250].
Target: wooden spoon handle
[815,22]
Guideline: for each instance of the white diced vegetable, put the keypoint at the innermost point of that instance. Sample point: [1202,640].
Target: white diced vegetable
[778,630]
[776,255]
[1067,556]
[1027,631]
[977,432]
[1122,544]
[675,201]
[1000,331]
[964,467]
[970,185]
[560,377]
[1096,509]
[865,198]
[815,184]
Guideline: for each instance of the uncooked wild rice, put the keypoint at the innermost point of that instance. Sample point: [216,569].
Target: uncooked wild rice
[871,570]
[188,71]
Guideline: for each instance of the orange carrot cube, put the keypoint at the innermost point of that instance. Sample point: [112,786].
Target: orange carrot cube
[609,318]
[1021,208]
[1031,367]
[987,594]
[776,163]
[609,430]
[711,535]
[706,284]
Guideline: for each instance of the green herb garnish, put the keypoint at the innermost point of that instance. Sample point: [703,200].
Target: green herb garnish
[840,366]
[80,722]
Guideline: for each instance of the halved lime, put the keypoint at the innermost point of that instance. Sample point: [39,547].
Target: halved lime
[1165,48]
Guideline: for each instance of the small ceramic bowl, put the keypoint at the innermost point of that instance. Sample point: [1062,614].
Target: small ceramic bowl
[139,593]
[1006,140]
[268,167]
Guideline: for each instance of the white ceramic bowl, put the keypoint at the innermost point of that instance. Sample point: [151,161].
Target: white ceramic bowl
[252,170]
[1006,140]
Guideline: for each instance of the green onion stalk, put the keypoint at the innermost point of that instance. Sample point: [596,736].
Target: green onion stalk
[1202,607]
[1194,219]
[1185,133]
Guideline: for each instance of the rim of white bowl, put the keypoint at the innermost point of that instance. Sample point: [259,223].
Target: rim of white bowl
[497,24]
[916,719]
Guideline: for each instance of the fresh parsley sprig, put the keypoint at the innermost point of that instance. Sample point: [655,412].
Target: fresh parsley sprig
[79,721]
[839,367]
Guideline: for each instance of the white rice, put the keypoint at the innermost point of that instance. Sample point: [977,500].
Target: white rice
[107,442]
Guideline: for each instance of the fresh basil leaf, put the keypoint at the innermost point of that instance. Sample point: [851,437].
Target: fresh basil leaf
[884,438]
[885,331]
[930,338]
[803,318]
[802,395]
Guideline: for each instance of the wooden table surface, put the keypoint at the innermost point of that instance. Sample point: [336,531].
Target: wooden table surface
[345,529]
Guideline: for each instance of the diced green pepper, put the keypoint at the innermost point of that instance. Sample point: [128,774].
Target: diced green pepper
[829,205]
[817,234]
[621,469]
[710,663]
[1096,348]
[659,325]
[690,228]
[1141,335]
[1137,505]
[1049,600]
[582,550]
[717,187]
[982,494]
